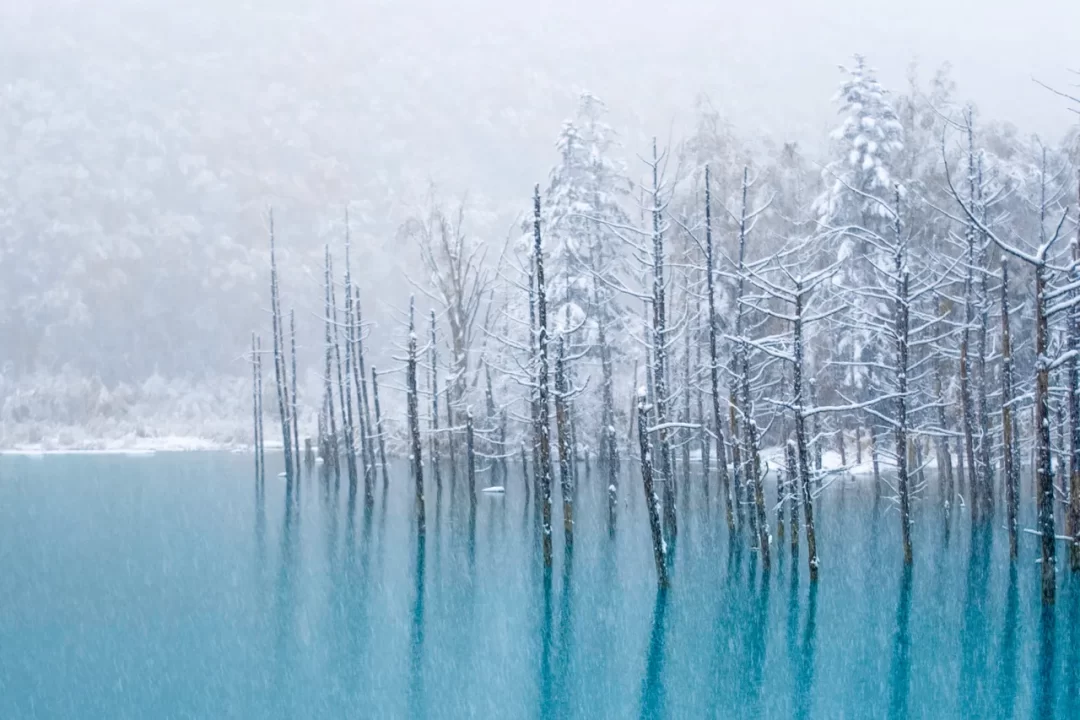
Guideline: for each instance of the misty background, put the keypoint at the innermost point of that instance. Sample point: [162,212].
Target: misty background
[142,143]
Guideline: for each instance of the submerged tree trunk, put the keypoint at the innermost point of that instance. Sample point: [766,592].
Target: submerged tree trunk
[1043,471]
[659,371]
[801,445]
[901,328]
[903,482]
[344,395]
[470,459]
[280,369]
[652,502]
[414,425]
[295,413]
[1011,473]
[607,437]
[256,408]
[793,495]
[1073,387]
[379,427]
[433,444]
[331,451]
[543,441]
[563,431]
[367,442]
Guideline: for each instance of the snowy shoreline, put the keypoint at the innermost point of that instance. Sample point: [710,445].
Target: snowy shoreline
[127,446]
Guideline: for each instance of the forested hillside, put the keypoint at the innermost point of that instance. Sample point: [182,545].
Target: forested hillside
[142,145]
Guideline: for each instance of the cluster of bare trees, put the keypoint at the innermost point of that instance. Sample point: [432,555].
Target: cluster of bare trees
[905,314]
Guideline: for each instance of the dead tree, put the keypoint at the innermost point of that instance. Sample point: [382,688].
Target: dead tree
[344,379]
[1073,528]
[379,427]
[543,427]
[295,414]
[1011,472]
[652,502]
[714,361]
[562,422]
[1039,261]
[470,459]
[660,347]
[433,421]
[414,423]
[331,456]
[458,280]
[256,408]
[280,369]
[782,278]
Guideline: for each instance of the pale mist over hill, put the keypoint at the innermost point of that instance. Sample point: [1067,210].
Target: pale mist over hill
[142,143]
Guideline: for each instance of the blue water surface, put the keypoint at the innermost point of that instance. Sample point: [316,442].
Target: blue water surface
[169,587]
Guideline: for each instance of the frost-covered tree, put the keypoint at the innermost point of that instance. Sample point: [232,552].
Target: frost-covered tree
[866,149]
[586,186]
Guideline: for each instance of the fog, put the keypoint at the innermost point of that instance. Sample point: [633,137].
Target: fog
[143,142]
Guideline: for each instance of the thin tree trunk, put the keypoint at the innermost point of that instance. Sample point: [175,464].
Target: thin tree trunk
[295,413]
[433,444]
[652,502]
[328,386]
[280,373]
[1073,387]
[1011,472]
[563,433]
[802,450]
[414,425]
[344,380]
[714,363]
[255,406]
[470,459]
[1043,472]
[379,427]
[543,425]
[660,352]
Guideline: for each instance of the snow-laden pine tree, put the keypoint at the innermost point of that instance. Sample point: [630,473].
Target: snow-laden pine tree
[583,199]
[582,205]
[866,151]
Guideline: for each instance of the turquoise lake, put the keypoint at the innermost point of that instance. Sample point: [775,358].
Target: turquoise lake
[166,587]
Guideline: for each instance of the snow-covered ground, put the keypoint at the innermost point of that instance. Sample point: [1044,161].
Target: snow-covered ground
[129,445]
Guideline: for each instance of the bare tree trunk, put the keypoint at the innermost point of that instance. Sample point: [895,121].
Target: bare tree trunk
[753,467]
[280,369]
[660,351]
[295,413]
[703,442]
[328,386]
[1008,444]
[652,502]
[966,403]
[363,408]
[793,499]
[255,407]
[344,380]
[563,433]
[607,437]
[685,434]
[802,450]
[379,427]
[414,425]
[902,324]
[945,466]
[543,425]
[470,459]
[1043,472]
[1074,410]
[433,445]
[261,449]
